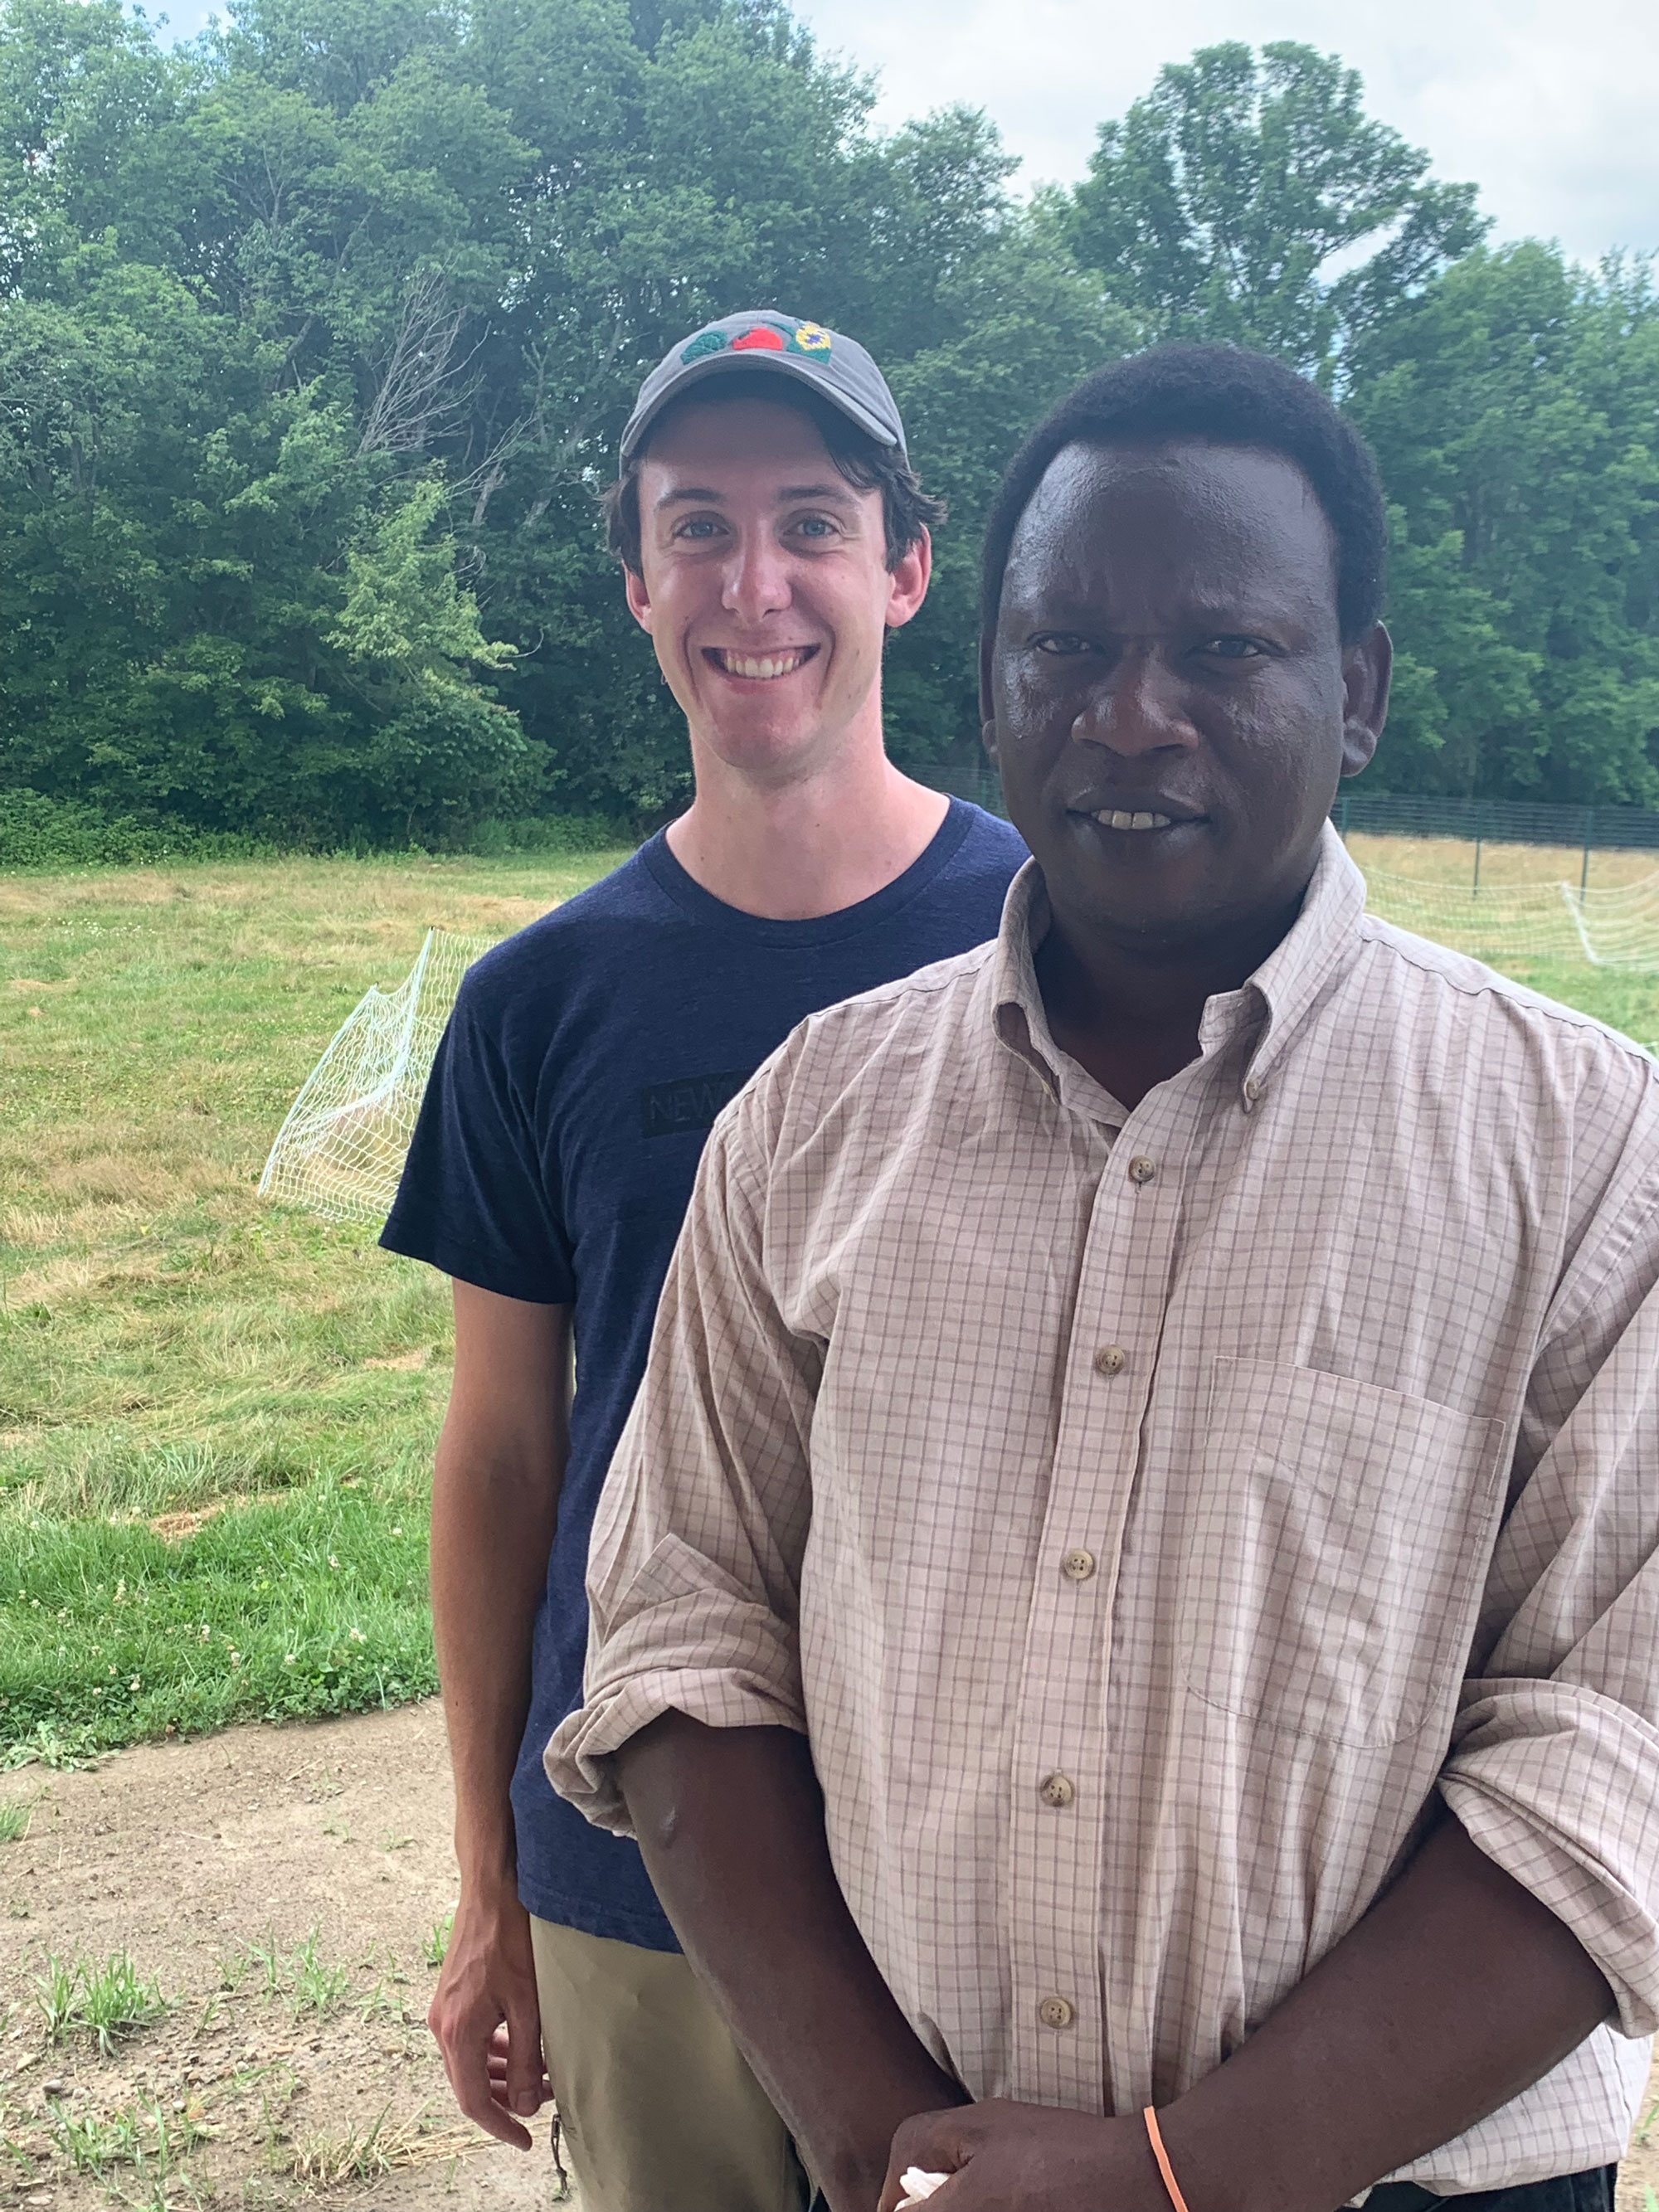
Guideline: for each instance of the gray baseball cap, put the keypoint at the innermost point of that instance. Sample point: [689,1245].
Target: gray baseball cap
[837,368]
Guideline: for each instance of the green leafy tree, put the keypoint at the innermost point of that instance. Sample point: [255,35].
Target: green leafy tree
[317,337]
[1234,200]
[1513,410]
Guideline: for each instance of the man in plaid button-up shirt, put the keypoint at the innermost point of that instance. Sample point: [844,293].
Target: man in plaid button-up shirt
[1166,1408]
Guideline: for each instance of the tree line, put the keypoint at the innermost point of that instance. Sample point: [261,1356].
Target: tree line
[317,335]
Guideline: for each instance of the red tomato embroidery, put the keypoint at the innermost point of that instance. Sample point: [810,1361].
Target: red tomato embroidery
[760,337]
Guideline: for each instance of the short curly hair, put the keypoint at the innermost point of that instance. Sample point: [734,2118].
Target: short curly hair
[1230,397]
[907,509]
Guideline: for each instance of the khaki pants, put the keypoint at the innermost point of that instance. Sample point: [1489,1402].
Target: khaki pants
[659,2109]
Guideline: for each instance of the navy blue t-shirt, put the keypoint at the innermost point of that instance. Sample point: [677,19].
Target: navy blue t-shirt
[553,1161]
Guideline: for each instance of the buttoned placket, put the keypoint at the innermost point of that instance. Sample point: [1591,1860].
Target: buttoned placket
[1061,1766]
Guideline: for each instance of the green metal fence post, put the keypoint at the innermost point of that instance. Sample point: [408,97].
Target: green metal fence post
[1584,873]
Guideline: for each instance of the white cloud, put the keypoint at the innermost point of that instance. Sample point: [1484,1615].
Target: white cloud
[1553,111]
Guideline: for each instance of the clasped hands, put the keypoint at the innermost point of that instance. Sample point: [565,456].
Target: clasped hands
[1005,2157]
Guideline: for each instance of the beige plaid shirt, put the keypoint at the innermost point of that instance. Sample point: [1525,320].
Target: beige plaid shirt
[1144,1513]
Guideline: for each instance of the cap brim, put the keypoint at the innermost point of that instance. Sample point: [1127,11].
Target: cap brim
[777,364]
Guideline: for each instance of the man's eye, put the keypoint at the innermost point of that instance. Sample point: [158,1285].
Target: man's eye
[1234,648]
[816,526]
[1063,642]
[697,525]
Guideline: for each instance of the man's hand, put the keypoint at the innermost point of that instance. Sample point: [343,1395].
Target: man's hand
[485,2015]
[1002,2157]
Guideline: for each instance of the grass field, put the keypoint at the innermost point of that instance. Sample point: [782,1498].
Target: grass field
[1450,860]
[216,1417]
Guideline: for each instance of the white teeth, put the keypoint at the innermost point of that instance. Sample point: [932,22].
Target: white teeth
[1116,818]
[759,667]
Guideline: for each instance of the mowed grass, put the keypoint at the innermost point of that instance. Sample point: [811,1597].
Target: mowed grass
[1628,999]
[1450,861]
[216,1417]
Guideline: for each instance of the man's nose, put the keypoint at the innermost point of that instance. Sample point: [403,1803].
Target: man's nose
[1140,707]
[757,580]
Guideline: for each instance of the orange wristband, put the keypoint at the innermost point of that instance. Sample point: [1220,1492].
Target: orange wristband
[1156,2139]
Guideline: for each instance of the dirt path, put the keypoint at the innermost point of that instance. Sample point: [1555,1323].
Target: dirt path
[215,1864]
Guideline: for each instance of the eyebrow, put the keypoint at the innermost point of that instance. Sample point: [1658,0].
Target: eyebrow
[702,495]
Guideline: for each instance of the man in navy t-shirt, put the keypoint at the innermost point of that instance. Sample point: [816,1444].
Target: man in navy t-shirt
[771,531]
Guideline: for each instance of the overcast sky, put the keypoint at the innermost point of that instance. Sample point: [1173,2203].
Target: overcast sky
[1551,106]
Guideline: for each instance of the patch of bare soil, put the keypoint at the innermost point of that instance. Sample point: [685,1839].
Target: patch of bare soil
[282,1886]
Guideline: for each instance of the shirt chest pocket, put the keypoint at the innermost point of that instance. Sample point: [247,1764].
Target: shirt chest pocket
[1334,1566]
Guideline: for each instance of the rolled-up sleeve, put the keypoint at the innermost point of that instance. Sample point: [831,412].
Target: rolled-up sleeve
[1554,1766]
[694,1576]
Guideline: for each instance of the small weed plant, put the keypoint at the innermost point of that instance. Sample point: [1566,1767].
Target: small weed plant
[56,1990]
[382,2001]
[435,1949]
[93,2142]
[14,1815]
[316,1986]
[140,2136]
[106,2003]
[309,1982]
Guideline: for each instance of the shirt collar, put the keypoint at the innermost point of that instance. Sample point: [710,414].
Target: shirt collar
[1319,945]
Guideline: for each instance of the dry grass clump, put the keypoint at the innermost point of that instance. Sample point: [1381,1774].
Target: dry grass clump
[379,2147]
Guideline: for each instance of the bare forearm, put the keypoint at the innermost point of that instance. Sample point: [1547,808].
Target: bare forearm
[1454,1993]
[491,1538]
[495,1503]
[731,1822]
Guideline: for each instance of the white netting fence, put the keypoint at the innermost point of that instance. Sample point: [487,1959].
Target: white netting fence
[1505,923]
[341,1150]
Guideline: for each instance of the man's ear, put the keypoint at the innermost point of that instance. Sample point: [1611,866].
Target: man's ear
[988,720]
[639,599]
[908,580]
[1367,666]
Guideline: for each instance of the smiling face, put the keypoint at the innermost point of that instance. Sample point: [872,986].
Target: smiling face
[764,585]
[1168,693]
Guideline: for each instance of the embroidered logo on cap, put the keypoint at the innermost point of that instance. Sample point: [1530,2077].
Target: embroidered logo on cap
[810,339]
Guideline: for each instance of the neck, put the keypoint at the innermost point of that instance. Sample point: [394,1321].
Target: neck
[1130,1014]
[789,851]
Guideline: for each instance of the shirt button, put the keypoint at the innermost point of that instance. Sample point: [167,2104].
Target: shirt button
[1111,1359]
[1054,2012]
[1078,1565]
[1058,1791]
[1253,1088]
[1141,1169]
